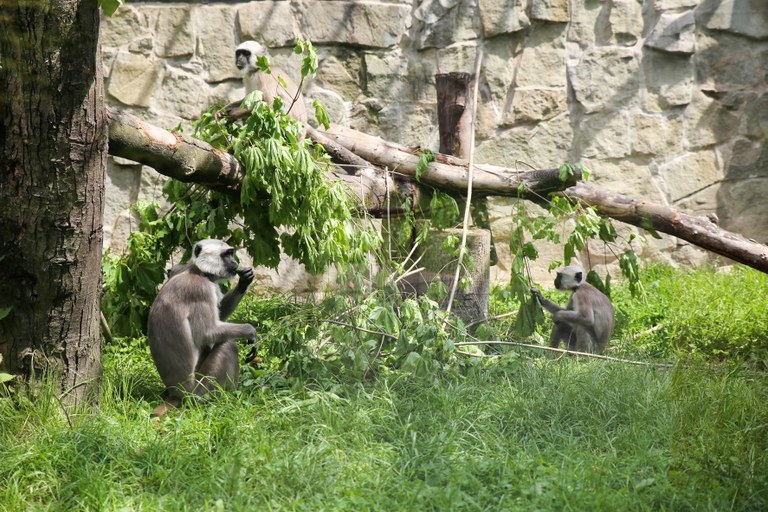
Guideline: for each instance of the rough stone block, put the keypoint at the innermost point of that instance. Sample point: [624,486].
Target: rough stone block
[757,119]
[342,73]
[535,105]
[724,62]
[744,17]
[626,21]
[550,10]
[134,79]
[391,76]
[673,33]
[587,22]
[503,16]
[604,135]
[377,25]
[605,78]
[499,64]
[216,41]
[543,146]
[708,121]
[410,124]
[270,23]
[458,58]
[542,66]
[668,80]
[629,177]
[120,29]
[690,173]
[121,187]
[174,32]
[657,135]
[745,159]
[183,94]
[742,208]
[663,5]
[437,24]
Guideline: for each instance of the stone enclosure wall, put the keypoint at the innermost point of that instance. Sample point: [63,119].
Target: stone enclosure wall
[665,100]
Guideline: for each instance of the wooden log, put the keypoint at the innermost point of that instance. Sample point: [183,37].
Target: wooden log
[698,230]
[181,157]
[450,173]
[190,160]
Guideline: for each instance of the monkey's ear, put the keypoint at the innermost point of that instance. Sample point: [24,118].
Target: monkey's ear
[198,248]
[578,277]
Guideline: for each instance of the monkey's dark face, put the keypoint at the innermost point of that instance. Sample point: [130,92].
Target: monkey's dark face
[229,262]
[569,278]
[215,258]
[242,58]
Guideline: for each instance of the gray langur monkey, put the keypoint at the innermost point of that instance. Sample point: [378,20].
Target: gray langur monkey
[194,349]
[269,84]
[586,323]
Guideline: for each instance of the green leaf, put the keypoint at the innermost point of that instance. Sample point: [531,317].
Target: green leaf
[110,6]
[4,312]
[425,158]
[321,114]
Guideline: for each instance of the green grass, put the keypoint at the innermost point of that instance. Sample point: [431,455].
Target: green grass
[520,435]
[522,432]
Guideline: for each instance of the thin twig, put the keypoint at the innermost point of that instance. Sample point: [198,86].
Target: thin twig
[563,351]
[361,329]
[491,318]
[470,176]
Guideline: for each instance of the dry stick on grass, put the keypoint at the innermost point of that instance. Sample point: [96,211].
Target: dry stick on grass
[562,351]
[470,175]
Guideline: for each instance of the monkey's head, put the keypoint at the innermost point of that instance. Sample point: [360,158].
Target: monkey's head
[245,56]
[215,259]
[569,278]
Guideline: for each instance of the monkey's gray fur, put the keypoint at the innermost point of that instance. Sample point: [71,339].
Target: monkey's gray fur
[193,348]
[255,79]
[586,323]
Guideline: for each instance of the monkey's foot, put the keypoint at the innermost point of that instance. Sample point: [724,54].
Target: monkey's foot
[161,409]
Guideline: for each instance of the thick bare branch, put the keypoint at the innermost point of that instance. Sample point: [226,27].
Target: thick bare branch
[698,230]
[450,173]
[172,154]
[187,159]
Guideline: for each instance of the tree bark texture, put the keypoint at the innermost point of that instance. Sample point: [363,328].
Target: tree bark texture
[454,114]
[52,161]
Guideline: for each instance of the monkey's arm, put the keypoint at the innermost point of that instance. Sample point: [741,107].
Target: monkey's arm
[546,304]
[232,299]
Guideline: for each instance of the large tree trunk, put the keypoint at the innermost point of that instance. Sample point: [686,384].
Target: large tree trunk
[52,161]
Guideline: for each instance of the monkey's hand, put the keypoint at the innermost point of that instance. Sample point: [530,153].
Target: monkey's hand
[246,278]
[536,294]
[254,342]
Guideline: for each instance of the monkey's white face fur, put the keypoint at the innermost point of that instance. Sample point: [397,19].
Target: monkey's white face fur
[214,258]
[246,54]
[569,278]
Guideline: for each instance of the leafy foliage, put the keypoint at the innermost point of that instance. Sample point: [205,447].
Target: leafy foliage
[354,337]
[284,203]
[548,225]
[710,314]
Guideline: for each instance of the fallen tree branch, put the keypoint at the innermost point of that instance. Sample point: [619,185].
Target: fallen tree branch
[450,173]
[698,230]
[190,160]
[563,351]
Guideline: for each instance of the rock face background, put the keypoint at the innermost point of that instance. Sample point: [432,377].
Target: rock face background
[663,99]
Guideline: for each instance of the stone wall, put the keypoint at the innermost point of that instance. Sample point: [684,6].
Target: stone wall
[663,99]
